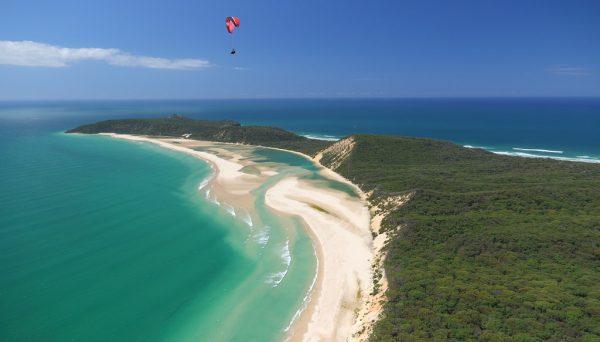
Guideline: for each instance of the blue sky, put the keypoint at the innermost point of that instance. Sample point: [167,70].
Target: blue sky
[337,48]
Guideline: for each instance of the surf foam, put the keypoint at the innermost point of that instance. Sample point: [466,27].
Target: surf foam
[306,300]
[203,184]
[321,137]
[262,237]
[277,277]
[537,150]
[246,218]
[229,209]
[481,147]
[529,155]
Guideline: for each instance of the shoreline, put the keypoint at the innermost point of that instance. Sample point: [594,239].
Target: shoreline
[345,257]
[343,284]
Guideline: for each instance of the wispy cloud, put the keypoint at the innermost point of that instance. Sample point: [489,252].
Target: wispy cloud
[569,71]
[241,68]
[33,54]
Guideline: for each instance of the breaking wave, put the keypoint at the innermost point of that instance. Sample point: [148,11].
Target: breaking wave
[262,237]
[213,199]
[529,155]
[481,147]
[246,218]
[305,301]
[276,278]
[539,153]
[536,150]
[321,137]
[203,183]
[229,209]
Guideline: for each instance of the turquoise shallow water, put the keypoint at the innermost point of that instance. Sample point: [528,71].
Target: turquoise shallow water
[103,239]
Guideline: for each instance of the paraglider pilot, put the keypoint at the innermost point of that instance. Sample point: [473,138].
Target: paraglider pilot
[230,24]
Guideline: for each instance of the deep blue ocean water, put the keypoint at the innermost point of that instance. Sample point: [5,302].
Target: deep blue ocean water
[569,127]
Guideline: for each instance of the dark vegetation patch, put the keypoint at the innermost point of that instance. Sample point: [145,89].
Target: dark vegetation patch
[492,247]
[220,131]
[316,207]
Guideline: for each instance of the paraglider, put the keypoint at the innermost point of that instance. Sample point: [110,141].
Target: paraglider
[231,23]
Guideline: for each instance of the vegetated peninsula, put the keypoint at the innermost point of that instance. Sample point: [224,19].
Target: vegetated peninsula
[477,245]
[220,131]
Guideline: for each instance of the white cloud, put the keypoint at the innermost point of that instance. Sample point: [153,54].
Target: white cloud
[569,71]
[28,53]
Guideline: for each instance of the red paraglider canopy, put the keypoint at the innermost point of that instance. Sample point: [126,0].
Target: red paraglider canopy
[231,23]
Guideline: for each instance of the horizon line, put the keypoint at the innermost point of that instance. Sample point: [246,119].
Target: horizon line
[306,98]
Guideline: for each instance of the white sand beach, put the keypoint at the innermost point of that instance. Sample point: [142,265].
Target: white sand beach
[340,228]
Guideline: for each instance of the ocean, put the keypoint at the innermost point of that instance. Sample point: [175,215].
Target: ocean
[567,127]
[102,239]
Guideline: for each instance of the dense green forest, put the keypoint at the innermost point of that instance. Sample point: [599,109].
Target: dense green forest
[489,247]
[222,131]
